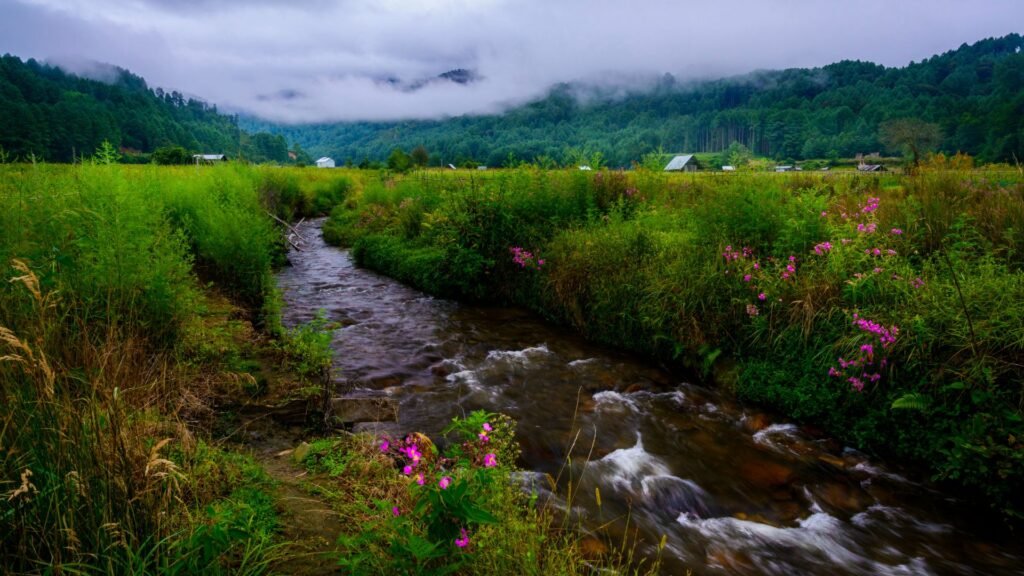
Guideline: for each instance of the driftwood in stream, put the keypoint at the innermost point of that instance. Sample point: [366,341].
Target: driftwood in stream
[343,411]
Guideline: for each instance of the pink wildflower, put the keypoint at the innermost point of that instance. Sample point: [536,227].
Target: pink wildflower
[395,511]
[490,460]
[762,296]
[384,446]
[420,479]
[444,482]
[463,540]
[487,427]
[484,437]
[752,310]
[895,231]
[746,277]
[407,470]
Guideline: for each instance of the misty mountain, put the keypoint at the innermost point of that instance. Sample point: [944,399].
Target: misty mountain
[974,93]
[57,116]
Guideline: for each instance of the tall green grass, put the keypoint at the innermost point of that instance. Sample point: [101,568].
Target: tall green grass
[638,260]
[101,467]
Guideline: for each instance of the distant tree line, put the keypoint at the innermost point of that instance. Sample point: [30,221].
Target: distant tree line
[49,114]
[973,96]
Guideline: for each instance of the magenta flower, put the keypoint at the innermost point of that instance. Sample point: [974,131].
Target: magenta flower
[484,438]
[823,213]
[407,470]
[395,511]
[762,296]
[420,479]
[490,460]
[746,277]
[752,310]
[895,231]
[462,541]
[487,427]
[384,446]
[917,282]
[857,383]
[444,482]
[833,372]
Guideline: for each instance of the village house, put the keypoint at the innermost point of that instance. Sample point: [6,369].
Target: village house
[682,163]
[325,162]
[208,158]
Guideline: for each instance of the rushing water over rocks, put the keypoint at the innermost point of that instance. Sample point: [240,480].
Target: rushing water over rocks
[733,491]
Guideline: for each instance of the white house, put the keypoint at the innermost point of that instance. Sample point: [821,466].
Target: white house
[683,163]
[208,158]
[325,162]
[728,168]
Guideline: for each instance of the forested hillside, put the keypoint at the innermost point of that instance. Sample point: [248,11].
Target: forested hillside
[52,115]
[974,95]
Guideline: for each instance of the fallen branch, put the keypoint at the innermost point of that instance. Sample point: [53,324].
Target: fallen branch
[286,225]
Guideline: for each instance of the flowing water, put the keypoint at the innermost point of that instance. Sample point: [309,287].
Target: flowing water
[734,490]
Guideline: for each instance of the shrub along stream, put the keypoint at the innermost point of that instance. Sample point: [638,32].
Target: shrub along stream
[886,309]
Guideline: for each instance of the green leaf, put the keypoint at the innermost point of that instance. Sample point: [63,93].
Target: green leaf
[423,549]
[479,515]
[911,401]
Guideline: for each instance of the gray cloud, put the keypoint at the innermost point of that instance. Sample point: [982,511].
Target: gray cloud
[324,60]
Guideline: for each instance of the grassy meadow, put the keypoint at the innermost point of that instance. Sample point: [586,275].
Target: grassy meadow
[138,315]
[885,309]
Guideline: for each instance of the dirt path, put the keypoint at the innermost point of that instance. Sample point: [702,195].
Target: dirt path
[308,521]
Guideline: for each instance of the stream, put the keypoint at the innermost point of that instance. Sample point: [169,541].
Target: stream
[733,489]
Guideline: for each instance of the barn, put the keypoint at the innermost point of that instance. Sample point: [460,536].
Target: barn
[682,163]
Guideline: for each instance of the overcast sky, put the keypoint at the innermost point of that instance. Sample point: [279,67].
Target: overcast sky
[321,60]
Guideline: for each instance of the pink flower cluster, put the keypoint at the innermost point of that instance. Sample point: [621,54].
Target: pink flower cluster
[887,336]
[731,255]
[876,251]
[410,451]
[822,248]
[743,260]
[871,206]
[868,228]
[866,366]
[525,258]
[790,270]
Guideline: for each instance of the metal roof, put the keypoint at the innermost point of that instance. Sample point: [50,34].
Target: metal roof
[325,159]
[679,162]
[208,156]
